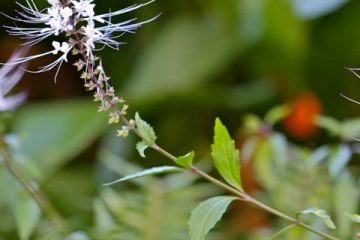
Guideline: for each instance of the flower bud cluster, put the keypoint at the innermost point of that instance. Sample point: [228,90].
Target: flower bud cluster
[95,79]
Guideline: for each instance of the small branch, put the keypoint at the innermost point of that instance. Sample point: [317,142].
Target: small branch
[242,195]
[40,198]
[291,219]
[237,192]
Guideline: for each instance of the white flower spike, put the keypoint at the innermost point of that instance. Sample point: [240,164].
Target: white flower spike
[75,19]
[10,75]
[85,33]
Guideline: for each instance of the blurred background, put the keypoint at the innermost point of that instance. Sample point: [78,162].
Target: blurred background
[200,59]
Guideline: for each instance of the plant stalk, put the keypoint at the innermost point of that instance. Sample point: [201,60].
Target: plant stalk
[237,192]
[240,193]
[40,198]
[248,198]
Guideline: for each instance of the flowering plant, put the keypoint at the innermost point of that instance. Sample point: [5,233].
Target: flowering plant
[86,33]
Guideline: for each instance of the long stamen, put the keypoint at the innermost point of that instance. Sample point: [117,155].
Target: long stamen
[76,17]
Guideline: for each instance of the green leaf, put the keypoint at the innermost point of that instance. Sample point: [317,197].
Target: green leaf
[70,182]
[117,163]
[276,114]
[27,216]
[331,125]
[145,130]
[104,221]
[148,134]
[151,171]
[353,217]
[351,129]
[338,159]
[266,172]
[186,161]
[319,213]
[141,147]
[52,236]
[225,155]
[252,123]
[348,129]
[52,134]
[345,200]
[206,215]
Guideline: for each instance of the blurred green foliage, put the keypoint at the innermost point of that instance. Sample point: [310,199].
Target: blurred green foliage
[199,60]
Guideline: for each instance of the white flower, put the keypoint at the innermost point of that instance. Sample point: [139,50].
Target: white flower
[54,2]
[10,75]
[84,8]
[108,33]
[64,48]
[77,21]
[58,18]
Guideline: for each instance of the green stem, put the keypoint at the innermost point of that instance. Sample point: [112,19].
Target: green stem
[32,189]
[220,184]
[291,219]
[248,198]
[242,195]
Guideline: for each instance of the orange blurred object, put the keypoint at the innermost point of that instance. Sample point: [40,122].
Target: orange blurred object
[300,121]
